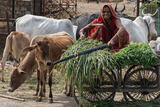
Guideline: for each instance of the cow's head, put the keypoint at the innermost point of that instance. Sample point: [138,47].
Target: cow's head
[151,24]
[148,17]
[23,71]
[41,50]
[153,45]
[17,78]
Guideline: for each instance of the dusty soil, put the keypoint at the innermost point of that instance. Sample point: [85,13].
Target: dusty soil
[27,90]
[93,7]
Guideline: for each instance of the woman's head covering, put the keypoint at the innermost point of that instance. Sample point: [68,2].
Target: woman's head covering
[113,12]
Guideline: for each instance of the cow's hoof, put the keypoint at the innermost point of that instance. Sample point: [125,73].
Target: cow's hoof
[39,99]
[50,101]
[69,94]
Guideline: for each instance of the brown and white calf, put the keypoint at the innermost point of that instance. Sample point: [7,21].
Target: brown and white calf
[15,43]
[49,48]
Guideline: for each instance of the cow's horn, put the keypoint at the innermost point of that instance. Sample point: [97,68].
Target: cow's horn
[155,13]
[124,7]
[143,12]
[151,14]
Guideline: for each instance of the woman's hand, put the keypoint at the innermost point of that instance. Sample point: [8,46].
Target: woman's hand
[110,44]
[90,26]
[81,34]
[113,41]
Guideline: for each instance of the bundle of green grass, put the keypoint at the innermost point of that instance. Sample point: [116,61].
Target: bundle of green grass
[83,67]
[136,54]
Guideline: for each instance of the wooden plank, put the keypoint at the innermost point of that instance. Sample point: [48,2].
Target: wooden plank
[4,34]
[10,97]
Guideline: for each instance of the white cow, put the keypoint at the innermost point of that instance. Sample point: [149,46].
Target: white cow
[140,28]
[39,25]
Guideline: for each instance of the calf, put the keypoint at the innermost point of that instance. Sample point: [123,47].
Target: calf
[15,42]
[49,48]
[25,69]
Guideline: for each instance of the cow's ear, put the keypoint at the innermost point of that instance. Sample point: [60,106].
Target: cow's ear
[30,48]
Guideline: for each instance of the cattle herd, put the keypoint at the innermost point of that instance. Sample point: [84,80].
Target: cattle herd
[39,39]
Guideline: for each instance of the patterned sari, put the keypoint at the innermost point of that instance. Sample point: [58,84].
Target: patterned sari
[109,30]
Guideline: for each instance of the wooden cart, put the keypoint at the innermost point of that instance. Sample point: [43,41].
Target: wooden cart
[136,82]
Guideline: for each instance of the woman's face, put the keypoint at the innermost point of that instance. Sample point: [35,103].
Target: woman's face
[106,13]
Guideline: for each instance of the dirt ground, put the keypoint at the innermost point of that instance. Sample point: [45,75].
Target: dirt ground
[26,91]
[93,7]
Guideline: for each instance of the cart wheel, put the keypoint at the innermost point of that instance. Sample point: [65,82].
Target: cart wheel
[101,91]
[143,82]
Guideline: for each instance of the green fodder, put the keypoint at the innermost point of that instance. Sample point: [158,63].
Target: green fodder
[136,54]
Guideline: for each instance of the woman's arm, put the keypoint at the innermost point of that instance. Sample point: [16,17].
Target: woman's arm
[121,28]
[85,29]
[119,33]
[89,27]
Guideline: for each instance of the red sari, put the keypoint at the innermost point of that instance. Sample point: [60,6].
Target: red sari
[108,31]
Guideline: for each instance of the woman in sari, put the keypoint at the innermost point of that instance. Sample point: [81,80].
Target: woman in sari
[107,28]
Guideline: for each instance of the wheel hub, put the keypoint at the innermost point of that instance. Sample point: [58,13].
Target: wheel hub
[144,84]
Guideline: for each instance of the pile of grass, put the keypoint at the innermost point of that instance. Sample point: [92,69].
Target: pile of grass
[136,54]
[83,67]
